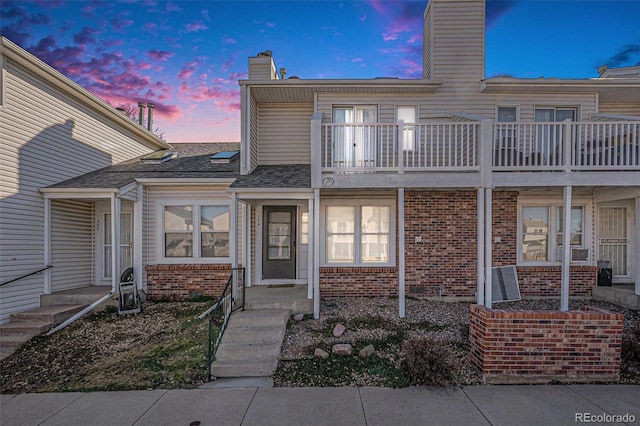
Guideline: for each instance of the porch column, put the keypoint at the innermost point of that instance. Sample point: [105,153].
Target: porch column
[233,240]
[488,246]
[316,253]
[311,243]
[246,242]
[115,241]
[636,268]
[480,251]
[566,248]
[47,245]
[401,283]
[137,237]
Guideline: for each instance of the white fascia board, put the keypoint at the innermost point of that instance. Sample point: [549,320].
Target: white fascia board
[32,63]
[268,194]
[128,188]
[184,181]
[57,193]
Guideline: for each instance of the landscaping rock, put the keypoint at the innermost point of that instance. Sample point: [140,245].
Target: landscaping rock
[320,353]
[338,330]
[298,317]
[342,349]
[367,351]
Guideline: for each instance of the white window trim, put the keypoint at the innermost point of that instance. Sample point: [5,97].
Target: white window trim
[555,108]
[517,107]
[195,204]
[553,203]
[357,203]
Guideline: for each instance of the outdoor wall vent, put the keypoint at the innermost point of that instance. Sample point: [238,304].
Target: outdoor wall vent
[159,157]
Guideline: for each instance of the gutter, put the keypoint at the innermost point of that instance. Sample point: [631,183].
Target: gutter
[81,313]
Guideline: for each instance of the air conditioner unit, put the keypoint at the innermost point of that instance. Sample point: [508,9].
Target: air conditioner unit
[577,254]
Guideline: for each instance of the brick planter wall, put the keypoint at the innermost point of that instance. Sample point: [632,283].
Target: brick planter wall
[175,281]
[358,281]
[511,346]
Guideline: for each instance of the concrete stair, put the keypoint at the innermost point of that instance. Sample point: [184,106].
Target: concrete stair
[623,295]
[24,325]
[250,346]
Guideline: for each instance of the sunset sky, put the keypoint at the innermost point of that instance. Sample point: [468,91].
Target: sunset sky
[187,56]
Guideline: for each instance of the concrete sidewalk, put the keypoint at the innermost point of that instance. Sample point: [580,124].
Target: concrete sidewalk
[474,405]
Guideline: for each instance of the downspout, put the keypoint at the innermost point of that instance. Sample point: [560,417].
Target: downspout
[81,313]
[316,254]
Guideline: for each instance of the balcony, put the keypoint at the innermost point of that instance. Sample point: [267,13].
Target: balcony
[462,152]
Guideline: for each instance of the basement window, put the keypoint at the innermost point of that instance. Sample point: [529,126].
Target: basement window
[159,157]
[224,156]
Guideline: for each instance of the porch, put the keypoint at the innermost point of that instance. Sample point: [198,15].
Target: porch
[619,294]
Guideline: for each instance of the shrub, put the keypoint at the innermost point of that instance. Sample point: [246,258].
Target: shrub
[428,361]
[631,343]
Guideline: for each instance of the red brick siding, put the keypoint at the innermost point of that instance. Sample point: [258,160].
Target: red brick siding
[175,281]
[445,259]
[545,281]
[511,346]
[358,281]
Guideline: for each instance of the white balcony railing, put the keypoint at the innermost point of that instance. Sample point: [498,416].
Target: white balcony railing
[456,146]
[399,147]
[566,146]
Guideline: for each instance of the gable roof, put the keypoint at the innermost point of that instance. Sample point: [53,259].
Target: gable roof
[56,79]
[192,162]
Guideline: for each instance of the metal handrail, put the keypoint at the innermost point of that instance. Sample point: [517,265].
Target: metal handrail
[220,312]
[27,275]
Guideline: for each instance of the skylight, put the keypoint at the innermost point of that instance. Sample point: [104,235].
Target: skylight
[158,157]
[224,156]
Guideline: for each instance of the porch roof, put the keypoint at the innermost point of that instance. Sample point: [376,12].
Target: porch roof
[192,162]
[296,176]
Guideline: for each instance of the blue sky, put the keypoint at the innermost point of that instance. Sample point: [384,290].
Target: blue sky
[187,56]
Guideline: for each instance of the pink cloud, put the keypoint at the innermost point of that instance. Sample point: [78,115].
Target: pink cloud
[229,40]
[187,70]
[160,55]
[195,26]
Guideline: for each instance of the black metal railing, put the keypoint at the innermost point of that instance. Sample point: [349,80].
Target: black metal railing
[231,300]
[27,275]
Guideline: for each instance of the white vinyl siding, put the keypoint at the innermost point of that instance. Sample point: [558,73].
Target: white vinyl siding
[284,134]
[48,136]
[71,244]
[254,134]
[621,109]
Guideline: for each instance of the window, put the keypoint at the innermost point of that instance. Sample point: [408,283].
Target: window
[359,233]
[506,135]
[408,114]
[354,136]
[507,114]
[555,114]
[194,230]
[541,230]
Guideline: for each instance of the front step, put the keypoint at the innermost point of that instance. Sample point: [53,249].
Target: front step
[52,313]
[24,325]
[250,346]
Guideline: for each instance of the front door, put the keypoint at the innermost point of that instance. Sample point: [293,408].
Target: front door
[613,240]
[105,248]
[279,243]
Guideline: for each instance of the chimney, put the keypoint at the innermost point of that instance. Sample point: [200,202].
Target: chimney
[283,73]
[454,41]
[262,66]
[141,107]
[150,120]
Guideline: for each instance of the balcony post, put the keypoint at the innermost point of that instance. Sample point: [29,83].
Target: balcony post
[485,146]
[316,150]
[400,140]
[636,268]
[566,248]
[567,147]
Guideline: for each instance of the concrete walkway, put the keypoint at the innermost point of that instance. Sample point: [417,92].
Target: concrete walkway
[475,405]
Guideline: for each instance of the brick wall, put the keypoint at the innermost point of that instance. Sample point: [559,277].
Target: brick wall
[175,281]
[545,281]
[511,346]
[444,262]
[358,281]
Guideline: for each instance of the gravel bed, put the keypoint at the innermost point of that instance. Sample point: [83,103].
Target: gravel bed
[376,320]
